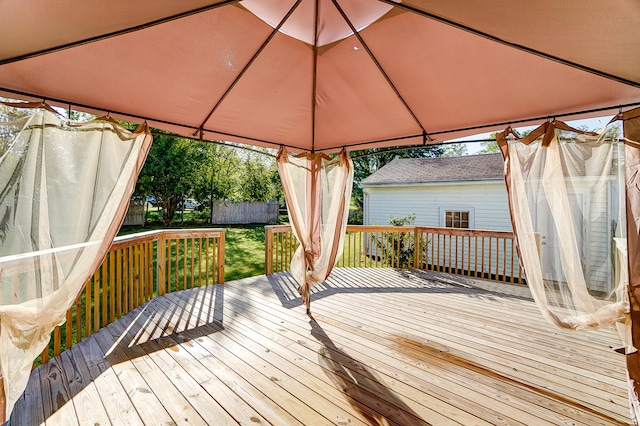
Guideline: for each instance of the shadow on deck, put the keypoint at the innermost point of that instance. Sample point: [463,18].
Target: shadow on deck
[383,347]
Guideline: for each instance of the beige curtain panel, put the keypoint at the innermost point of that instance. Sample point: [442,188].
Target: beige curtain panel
[566,195]
[318,190]
[64,190]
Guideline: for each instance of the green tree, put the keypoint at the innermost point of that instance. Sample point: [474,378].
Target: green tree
[367,161]
[221,174]
[489,147]
[173,169]
[257,180]
[9,130]
[455,150]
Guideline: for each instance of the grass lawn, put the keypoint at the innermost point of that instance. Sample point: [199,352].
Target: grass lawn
[244,247]
[244,251]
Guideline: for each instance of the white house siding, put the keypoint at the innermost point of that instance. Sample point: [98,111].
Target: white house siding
[487,202]
[598,235]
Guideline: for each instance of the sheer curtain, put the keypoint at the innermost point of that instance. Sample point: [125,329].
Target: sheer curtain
[318,191]
[575,206]
[566,195]
[64,191]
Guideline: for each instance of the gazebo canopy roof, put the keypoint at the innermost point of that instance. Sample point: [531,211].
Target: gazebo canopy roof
[323,74]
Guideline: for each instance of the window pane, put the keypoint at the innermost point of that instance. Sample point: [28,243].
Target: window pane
[456,219]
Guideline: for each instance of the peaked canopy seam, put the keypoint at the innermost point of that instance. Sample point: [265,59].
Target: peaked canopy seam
[377,63]
[251,61]
[512,45]
[117,32]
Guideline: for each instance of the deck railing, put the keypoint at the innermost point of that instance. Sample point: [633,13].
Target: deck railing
[137,268]
[477,253]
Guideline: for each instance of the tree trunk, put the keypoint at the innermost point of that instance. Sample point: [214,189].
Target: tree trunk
[168,210]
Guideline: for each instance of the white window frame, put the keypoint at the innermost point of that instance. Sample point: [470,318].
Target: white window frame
[470,210]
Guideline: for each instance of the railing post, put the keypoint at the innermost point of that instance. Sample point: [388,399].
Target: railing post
[221,258]
[268,250]
[417,247]
[161,262]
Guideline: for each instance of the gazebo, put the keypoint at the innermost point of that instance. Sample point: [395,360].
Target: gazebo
[312,78]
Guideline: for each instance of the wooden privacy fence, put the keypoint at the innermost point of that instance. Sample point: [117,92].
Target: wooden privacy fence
[137,268]
[477,253]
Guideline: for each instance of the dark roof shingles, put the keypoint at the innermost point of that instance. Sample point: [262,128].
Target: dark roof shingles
[439,169]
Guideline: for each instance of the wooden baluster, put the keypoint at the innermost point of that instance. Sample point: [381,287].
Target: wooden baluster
[192,259]
[139,277]
[277,250]
[56,341]
[184,263]
[416,247]
[374,248]
[475,257]
[44,356]
[161,265]
[149,264]
[497,270]
[200,262]
[206,257]
[456,258]
[130,283]
[491,256]
[482,273]
[119,282]
[221,258]
[176,266]
[469,253]
[105,293]
[143,273]
[112,286]
[87,311]
[359,248]
[169,264]
[431,257]
[504,259]
[78,318]
[448,237]
[68,332]
[95,301]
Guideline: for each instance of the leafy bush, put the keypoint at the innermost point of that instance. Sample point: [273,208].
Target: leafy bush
[397,248]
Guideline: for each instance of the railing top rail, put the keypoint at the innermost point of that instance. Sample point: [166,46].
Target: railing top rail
[278,227]
[139,237]
[380,228]
[422,229]
[465,232]
[121,241]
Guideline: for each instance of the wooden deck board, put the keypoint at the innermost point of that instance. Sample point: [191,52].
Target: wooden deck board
[383,347]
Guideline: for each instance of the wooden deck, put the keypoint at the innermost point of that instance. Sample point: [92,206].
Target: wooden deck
[383,347]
